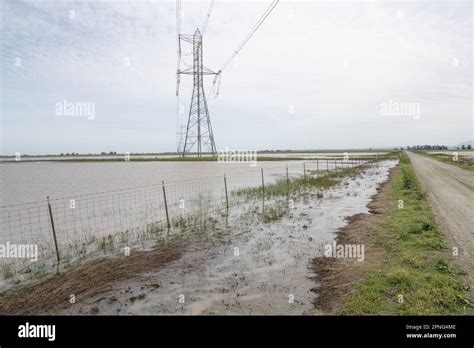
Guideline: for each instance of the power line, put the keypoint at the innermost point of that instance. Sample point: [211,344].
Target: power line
[209,11]
[250,34]
[199,130]
[178,28]
[178,49]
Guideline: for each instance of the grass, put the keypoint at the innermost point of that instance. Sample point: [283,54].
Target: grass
[151,234]
[467,163]
[418,276]
[274,213]
[283,187]
[106,244]
[8,271]
[195,223]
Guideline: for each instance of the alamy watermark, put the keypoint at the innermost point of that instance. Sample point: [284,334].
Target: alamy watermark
[396,108]
[345,251]
[37,331]
[68,108]
[23,251]
[237,156]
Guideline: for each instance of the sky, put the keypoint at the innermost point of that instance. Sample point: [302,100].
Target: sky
[316,74]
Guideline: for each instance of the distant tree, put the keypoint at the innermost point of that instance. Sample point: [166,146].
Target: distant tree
[462,147]
[427,147]
[469,147]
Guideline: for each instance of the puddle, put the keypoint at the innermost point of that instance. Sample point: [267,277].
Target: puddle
[251,267]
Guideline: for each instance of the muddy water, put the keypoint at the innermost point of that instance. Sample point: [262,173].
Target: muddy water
[253,267]
[24,182]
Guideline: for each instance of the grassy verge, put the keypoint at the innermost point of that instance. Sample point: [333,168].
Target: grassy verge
[418,275]
[467,164]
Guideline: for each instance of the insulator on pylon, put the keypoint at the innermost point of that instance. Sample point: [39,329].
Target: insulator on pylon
[218,80]
[177,82]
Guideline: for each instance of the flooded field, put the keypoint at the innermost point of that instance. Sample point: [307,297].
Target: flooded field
[30,182]
[249,265]
[83,222]
[34,178]
[460,153]
[119,157]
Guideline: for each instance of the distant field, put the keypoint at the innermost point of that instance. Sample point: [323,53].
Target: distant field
[462,159]
[262,156]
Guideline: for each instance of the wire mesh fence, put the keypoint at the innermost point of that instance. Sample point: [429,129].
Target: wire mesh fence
[66,227]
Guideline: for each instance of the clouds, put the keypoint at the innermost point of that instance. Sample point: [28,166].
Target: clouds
[332,64]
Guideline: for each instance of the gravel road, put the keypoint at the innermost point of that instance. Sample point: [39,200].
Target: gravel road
[451,195]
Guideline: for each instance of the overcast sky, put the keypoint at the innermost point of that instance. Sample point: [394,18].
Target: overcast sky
[315,75]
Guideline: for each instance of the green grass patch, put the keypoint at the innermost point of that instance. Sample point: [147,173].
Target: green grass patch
[274,213]
[8,271]
[285,187]
[418,276]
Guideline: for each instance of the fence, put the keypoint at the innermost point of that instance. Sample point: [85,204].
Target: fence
[68,226]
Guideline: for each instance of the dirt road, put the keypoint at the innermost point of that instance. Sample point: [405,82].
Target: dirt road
[451,195]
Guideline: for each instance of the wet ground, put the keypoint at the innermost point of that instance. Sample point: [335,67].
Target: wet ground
[248,265]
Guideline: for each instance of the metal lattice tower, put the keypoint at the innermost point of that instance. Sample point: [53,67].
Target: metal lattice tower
[180,134]
[199,137]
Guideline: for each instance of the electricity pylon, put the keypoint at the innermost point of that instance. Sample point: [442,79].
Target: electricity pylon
[199,137]
[180,134]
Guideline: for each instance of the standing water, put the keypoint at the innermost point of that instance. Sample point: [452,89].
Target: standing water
[255,267]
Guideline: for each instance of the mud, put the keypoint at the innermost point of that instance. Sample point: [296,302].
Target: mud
[85,282]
